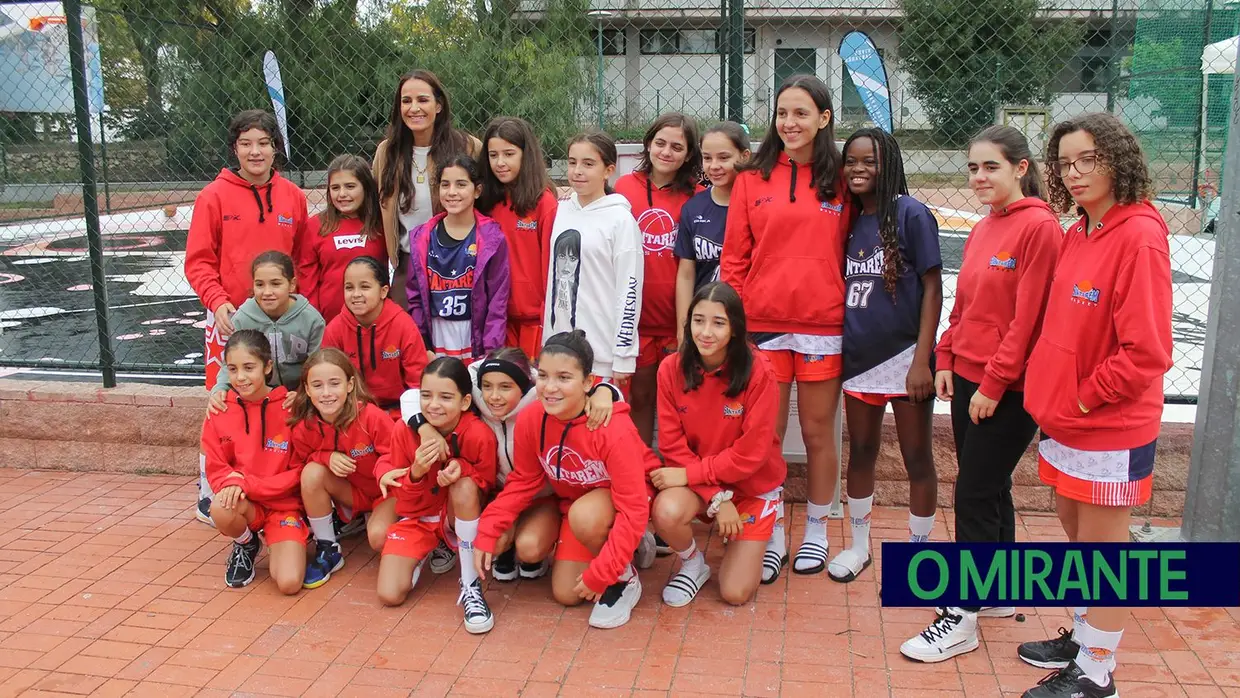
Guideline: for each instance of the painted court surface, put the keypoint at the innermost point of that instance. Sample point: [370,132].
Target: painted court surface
[108,586]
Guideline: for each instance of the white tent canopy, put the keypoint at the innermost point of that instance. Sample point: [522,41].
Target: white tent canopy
[1219,58]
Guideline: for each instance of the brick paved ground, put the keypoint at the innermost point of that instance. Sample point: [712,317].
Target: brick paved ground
[109,587]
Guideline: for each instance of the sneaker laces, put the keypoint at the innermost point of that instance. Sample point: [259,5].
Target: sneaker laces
[941,626]
[1065,637]
[471,598]
[1060,679]
[241,557]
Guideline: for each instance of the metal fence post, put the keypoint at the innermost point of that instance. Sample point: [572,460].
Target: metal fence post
[90,194]
[736,60]
[1212,509]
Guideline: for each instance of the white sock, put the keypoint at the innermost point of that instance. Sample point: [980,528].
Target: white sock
[1097,654]
[628,573]
[919,527]
[689,551]
[466,532]
[691,559]
[859,520]
[204,487]
[1078,621]
[816,522]
[244,537]
[778,542]
[322,528]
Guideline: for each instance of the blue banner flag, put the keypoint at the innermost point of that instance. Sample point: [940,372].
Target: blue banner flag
[1061,574]
[275,90]
[868,73]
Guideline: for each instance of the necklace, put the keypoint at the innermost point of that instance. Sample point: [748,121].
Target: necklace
[419,171]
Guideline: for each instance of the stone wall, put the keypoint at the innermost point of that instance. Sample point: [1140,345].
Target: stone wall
[146,429]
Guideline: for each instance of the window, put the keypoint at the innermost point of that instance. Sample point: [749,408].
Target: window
[613,42]
[689,41]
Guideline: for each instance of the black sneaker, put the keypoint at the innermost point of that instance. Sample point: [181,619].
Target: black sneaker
[504,566]
[661,548]
[478,618]
[1055,653]
[240,571]
[1071,682]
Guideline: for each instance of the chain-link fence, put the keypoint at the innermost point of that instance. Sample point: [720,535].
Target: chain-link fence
[160,78]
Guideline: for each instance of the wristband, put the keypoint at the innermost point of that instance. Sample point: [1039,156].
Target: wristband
[717,501]
[417,421]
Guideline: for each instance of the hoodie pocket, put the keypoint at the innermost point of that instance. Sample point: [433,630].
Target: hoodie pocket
[1052,386]
[975,341]
[794,289]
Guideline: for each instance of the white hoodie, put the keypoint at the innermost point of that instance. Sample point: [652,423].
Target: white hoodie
[594,280]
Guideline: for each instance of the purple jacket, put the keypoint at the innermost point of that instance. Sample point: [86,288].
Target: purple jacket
[491,283]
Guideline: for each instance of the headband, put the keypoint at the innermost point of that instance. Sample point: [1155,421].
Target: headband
[508,368]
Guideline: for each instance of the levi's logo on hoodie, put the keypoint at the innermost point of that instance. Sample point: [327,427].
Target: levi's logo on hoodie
[391,351]
[1004,261]
[349,242]
[276,443]
[1084,293]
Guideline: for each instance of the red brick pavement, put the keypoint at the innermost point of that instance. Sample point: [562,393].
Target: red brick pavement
[109,587]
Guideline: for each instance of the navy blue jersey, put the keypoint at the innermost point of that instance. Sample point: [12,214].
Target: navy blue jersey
[450,272]
[701,236]
[879,325]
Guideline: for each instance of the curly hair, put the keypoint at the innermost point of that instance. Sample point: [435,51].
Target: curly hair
[1118,152]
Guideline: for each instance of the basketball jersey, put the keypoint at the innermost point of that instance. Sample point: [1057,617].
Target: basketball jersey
[450,267]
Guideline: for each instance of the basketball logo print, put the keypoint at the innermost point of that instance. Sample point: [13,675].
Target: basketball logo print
[658,230]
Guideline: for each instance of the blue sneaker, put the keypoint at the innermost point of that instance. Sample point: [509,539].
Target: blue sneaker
[327,559]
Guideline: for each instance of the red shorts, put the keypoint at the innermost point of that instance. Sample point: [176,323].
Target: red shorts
[279,526]
[875,399]
[759,516]
[362,503]
[651,349]
[1114,494]
[414,538]
[214,353]
[805,368]
[567,547]
[525,335]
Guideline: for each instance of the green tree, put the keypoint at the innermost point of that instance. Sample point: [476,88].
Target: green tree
[968,57]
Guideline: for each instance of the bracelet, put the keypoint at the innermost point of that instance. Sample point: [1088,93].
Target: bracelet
[1084,409]
[717,501]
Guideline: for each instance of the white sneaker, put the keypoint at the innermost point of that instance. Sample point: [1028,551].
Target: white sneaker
[442,558]
[417,573]
[614,607]
[953,632]
[478,618]
[647,550]
[686,584]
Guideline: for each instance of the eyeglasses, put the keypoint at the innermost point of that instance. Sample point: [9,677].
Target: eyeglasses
[1084,165]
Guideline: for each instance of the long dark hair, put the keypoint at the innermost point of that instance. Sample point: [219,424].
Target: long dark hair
[827,159]
[397,177]
[888,186]
[739,355]
[262,120]
[532,179]
[690,173]
[604,144]
[370,215]
[1014,148]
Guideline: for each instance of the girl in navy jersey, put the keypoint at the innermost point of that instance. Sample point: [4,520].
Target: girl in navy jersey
[458,270]
[519,195]
[893,295]
[1000,296]
[784,243]
[699,241]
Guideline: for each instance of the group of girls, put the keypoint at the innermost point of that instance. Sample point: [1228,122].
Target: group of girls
[705,313]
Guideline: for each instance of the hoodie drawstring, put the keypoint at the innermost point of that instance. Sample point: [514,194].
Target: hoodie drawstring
[269,188]
[244,413]
[361,361]
[262,422]
[259,200]
[542,443]
[649,193]
[792,188]
[373,366]
[507,446]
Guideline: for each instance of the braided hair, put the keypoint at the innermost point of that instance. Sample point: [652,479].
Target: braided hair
[888,187]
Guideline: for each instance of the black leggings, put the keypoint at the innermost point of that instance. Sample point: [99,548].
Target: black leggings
[987,455]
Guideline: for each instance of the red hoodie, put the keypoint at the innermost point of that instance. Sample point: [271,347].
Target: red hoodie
[657,210]
[234,222]
[722,442]
[365,441]
[389,354]
[251,438]
[529,242]
[320,271]
[473,444]
[1000,295]
[1106,338]
[575,460]
[783,251]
